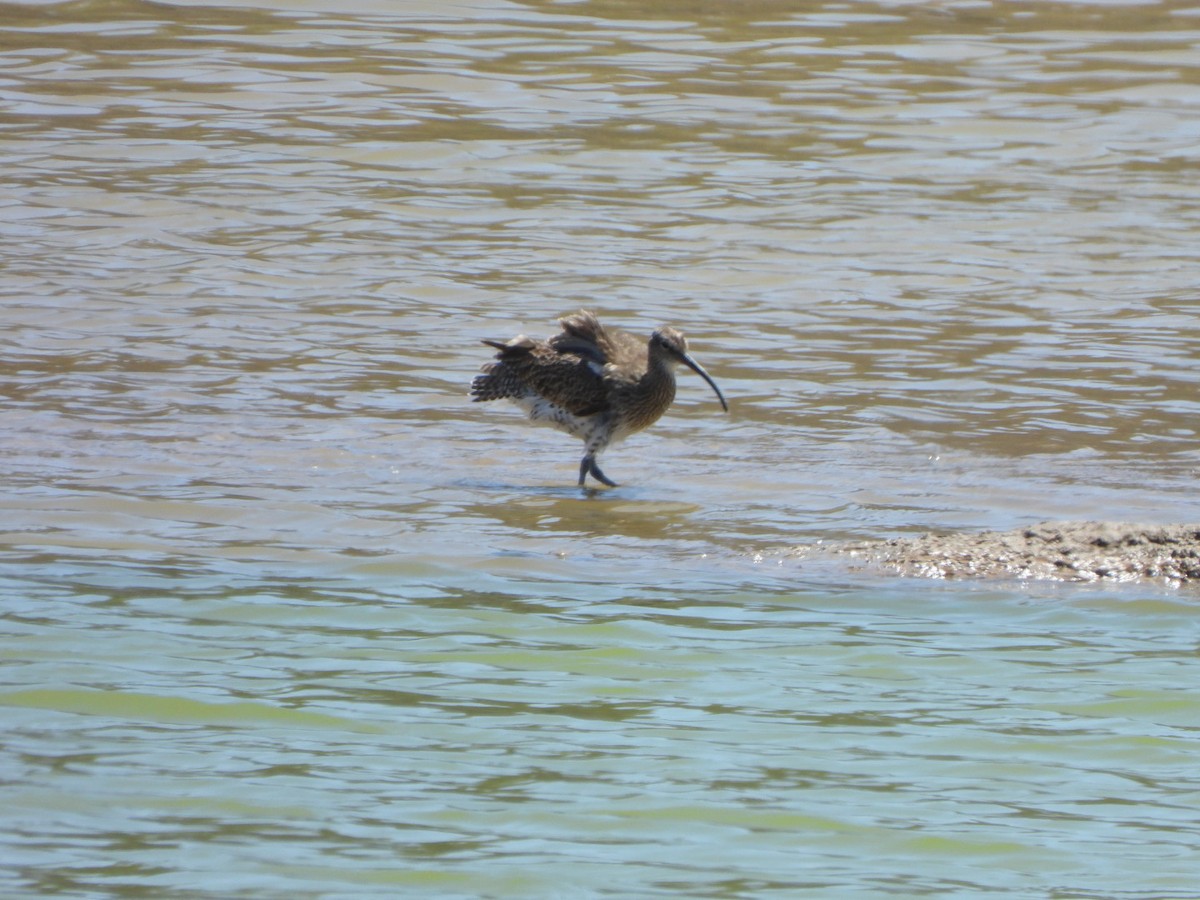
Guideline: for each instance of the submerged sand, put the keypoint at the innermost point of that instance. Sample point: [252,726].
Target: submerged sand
[1060,551]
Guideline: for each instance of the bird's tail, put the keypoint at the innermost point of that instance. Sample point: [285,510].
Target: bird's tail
[499,381]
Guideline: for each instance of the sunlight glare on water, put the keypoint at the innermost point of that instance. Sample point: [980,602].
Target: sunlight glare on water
[285,615]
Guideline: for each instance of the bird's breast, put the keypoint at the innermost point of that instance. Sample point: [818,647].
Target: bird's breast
[643,404]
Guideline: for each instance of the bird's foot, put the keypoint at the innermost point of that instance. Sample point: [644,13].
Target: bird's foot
[588,466]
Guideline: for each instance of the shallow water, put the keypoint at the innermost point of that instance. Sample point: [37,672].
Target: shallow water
[285,615]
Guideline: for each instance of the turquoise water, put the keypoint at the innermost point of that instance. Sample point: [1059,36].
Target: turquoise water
[386,733]
[282,614]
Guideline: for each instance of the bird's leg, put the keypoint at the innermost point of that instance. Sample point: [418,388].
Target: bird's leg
[595,440]
[599,475]
[588,465]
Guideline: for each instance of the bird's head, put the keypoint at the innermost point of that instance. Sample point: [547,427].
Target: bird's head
[669,345]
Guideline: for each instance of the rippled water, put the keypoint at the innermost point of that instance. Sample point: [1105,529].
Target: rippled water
[285,615]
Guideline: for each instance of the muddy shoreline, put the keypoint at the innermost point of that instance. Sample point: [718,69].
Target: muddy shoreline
[1057,551]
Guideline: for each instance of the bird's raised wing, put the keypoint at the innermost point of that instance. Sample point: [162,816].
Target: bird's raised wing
[570,378]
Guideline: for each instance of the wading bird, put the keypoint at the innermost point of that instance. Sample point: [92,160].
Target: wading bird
[597,385]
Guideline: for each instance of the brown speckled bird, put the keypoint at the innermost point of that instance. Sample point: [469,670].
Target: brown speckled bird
[598,385]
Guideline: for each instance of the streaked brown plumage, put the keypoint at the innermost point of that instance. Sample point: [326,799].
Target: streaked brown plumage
[595,384]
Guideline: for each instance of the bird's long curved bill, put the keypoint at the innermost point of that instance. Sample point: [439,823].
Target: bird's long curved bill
[699,370]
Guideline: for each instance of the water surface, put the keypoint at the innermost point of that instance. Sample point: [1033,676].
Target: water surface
[285,615]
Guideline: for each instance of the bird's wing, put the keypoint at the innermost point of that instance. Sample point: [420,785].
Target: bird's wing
[583,335]
[570,379]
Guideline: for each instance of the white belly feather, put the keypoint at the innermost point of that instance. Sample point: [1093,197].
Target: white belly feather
[595,430]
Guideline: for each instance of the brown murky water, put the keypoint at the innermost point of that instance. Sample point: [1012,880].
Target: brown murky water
[285,615]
